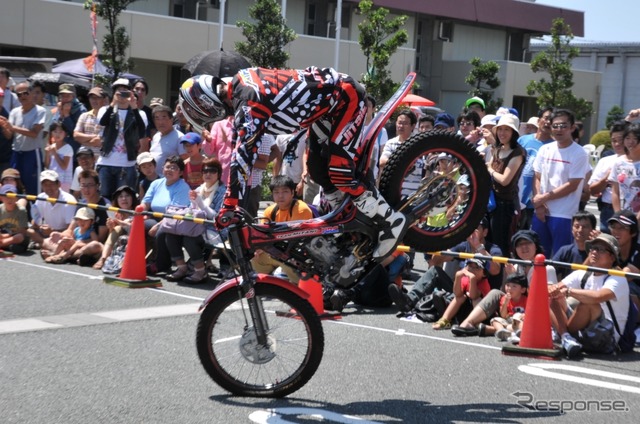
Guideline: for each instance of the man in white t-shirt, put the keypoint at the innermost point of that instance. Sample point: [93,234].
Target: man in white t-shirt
[560,171]
[590,325]
[47,216]
[289,161]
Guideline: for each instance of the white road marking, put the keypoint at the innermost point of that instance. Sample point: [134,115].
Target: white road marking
[275,416]
[553,370]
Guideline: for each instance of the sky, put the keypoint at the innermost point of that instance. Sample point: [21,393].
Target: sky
[604,20]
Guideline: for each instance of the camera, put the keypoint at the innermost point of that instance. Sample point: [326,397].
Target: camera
[125,94]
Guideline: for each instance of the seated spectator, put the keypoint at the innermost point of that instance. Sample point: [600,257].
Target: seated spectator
[83,234]
[147,167]
[589,325]
[14,222]
[623,225]
[193,163]
[437,277]
[123,198]
[525,245]
[511,310]
[582,225]
[469,286]
[285,208]
[86,162]
[49,216]
[12,176]
[169,190]
[58,156]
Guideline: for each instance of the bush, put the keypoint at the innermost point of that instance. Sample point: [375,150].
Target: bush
[601,137]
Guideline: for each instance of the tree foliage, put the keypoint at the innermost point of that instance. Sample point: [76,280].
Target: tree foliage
[116,41]
[616,113]
[483,77]
[267,37]
[380,37]
[556,62]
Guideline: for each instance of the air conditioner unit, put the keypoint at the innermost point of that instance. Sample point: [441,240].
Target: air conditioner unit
[445,31]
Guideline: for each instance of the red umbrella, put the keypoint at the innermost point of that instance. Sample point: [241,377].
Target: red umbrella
[415,100]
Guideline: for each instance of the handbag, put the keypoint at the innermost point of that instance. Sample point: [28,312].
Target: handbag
[491,205]
[183,227]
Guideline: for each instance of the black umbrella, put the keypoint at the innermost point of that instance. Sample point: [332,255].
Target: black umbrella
[52,81]
[216,62]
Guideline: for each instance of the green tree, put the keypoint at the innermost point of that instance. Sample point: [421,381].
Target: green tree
[267,37]
[616,113]
[379,39]
[556,62]
[116,41]
[483,77]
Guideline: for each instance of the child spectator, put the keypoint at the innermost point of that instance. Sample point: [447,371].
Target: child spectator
[286,208]
[58,156]
[512,307]
[83,234]
[147,167]
[14,222]
[86,162]
[193,163]
[469,286]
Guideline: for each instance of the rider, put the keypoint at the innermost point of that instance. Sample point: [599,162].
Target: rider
[275,101]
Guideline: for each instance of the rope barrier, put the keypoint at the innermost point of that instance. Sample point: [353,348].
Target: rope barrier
[33,198]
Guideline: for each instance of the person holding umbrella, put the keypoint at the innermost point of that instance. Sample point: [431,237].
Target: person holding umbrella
[276,101]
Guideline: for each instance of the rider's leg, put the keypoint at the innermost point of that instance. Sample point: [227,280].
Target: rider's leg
[373,205]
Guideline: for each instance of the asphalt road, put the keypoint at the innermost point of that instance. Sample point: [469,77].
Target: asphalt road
[76,350]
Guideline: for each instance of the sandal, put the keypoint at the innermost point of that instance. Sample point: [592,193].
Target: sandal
[99,264]
[442,324]
[56,259]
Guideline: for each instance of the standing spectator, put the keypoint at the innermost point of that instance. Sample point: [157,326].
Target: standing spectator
[25,125]
[58,156]
[39,92]
[179,121]
[445,121]
[193,163]
[68,111]
[166,141]
[426,123]
[10,99]
[467,124]
[218,144]
[14,222]
[147,167]
[87,130]
[124,127]
[560,170]
[86,162]
[6,139]
[141,89]
[475,104]
[590,324]
[531,143]
[405,124]
[381,139]
[625,174]
[599,184]
[505,168]
[47,216]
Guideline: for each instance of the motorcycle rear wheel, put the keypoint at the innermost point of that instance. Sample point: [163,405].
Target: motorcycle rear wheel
[413,170]
[233,358]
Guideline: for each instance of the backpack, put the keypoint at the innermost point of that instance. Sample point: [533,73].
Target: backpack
[627,340]
[113,264]
[430,307]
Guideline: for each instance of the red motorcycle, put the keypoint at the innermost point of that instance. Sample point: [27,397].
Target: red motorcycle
[257,334]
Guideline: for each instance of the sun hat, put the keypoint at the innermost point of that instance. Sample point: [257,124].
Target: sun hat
[609,240]
[144,157]
[488,119]
[67,88]
[85,213]
[510,121]
[49,175]
[11,173]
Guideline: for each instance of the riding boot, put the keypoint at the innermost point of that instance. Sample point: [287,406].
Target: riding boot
[372,204]
[334,199]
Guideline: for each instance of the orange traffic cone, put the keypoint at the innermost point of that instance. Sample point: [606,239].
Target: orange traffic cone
[535,339]
[134,267]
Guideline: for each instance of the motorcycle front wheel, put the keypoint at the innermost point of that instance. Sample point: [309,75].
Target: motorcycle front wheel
[441,181]
[237,362]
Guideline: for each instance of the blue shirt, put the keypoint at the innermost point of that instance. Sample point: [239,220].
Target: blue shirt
[531,144]
[568,253]
[160,195]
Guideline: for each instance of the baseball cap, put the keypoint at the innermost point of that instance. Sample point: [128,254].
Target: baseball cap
[96,91]
[444,120]
[67,88]
[84,150]
[11,173]
[625,217]
[529,235]
[156,101]
[8,188]
[49,175]
[85,213]
[473,100]
[144,157]
[121,82]
[191,138]
[478,262]
[607,239]
[488,119]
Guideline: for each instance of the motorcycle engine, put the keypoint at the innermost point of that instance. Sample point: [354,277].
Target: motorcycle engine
[338,265]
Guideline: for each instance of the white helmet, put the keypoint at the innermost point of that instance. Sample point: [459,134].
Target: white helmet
[200,103]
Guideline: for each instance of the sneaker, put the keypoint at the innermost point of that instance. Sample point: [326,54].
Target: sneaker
[503,334]
[555,337]
[339,300]
[571,346]
[400,298]
[513,339]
